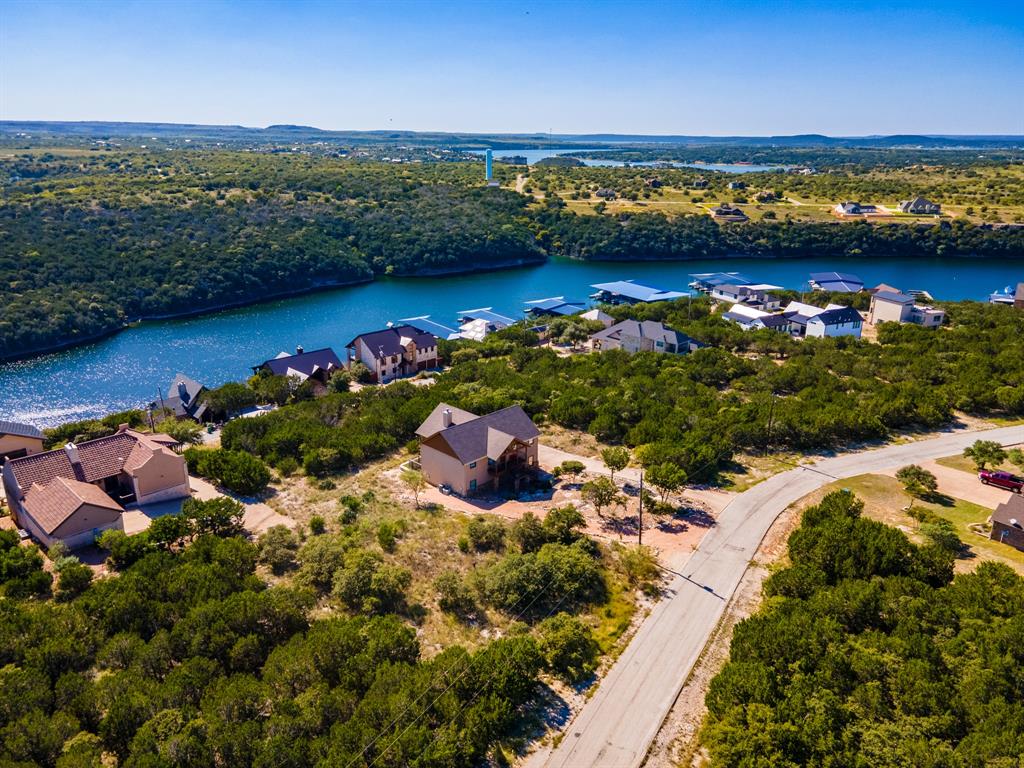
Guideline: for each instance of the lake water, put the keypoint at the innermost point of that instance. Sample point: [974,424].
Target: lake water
[533,155]
[126,370]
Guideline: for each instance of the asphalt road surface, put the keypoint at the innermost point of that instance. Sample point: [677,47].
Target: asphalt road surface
[615,728]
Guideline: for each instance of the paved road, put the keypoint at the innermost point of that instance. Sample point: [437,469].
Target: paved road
[617,725]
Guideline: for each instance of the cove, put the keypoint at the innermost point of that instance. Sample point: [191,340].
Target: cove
[128,369]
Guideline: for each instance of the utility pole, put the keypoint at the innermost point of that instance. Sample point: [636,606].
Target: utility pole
[640,514]
[771,414]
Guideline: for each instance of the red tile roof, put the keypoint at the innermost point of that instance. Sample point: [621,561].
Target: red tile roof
[100,458]
[52,504]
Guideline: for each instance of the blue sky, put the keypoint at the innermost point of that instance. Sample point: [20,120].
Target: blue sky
[713,68]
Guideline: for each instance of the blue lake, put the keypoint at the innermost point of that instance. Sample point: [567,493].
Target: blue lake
[128,369]
[533,155]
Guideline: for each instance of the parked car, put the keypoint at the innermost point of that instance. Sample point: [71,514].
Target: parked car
[1001,480]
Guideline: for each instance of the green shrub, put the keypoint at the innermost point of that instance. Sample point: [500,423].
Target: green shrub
[453,594]
[278,547]
[568,647]
[317,525]
[486,534]
[240,472]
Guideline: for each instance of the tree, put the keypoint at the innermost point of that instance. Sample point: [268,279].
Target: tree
[361,373]
[568,647]
[453,595]
[168,531]
[1016,457]
[220,516]
[985,453]
[528,533]
[229,398]
[562,524]
[601,492]
[486,533]
[73,578]
[616,458]
[278,547]
[667,478]
[571,469]
[340,381]
[415,482]
[185,431]
[918,482]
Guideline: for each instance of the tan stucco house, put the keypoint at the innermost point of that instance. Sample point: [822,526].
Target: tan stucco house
[73,493]
[895,307]
[469,452]
[18,440]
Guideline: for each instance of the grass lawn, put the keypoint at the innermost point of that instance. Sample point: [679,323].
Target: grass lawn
[966,465]
[885,500]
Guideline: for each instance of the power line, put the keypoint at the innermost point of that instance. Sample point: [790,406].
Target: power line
[448,688]
[427,688]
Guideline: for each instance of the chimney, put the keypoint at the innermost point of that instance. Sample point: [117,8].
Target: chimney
[446,418]
[182,391]
[298,349]
[122,428]
[72,451]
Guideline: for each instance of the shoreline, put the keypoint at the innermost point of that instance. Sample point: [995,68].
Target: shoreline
[319,287]
[427,274]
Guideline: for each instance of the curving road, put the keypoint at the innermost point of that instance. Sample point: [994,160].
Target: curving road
[615,728]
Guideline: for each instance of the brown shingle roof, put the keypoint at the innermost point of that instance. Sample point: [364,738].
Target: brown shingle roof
[489,435]
[434,423]
[52,504]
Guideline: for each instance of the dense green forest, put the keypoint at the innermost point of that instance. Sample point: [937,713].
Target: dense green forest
[694,411]
[868,654]
[188,656]
[93,240]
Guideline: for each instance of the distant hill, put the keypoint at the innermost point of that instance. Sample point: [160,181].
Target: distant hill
[290,133]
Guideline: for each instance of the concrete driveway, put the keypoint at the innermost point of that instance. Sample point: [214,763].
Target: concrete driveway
[962,485]
[257,519]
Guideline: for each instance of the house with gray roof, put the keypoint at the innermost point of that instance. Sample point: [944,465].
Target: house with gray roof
[184,398]
[643,336]
[893,306]
[18,440]
[920,207]
[317,365]
[842,321]
[468,453]
[391,353]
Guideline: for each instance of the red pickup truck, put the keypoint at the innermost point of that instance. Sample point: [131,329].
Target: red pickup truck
[1001,480]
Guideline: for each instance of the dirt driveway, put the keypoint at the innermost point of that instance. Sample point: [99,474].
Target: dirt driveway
[962,485]
[673,539]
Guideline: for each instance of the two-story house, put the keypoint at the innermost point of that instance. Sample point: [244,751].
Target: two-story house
[392,353]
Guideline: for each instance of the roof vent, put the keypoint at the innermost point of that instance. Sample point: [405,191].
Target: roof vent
[72,451]
[298,349]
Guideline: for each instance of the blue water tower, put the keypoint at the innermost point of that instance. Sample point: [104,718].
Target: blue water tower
[489,163]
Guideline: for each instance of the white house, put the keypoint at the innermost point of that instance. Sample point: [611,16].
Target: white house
[844,321]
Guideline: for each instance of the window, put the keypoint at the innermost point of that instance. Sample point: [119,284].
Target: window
[472,485]
[491,462]
[472,465]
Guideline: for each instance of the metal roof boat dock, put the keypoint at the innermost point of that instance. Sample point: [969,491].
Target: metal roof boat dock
[555,305]
[631,292]
[837,282]
[705,281]
[424,323]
